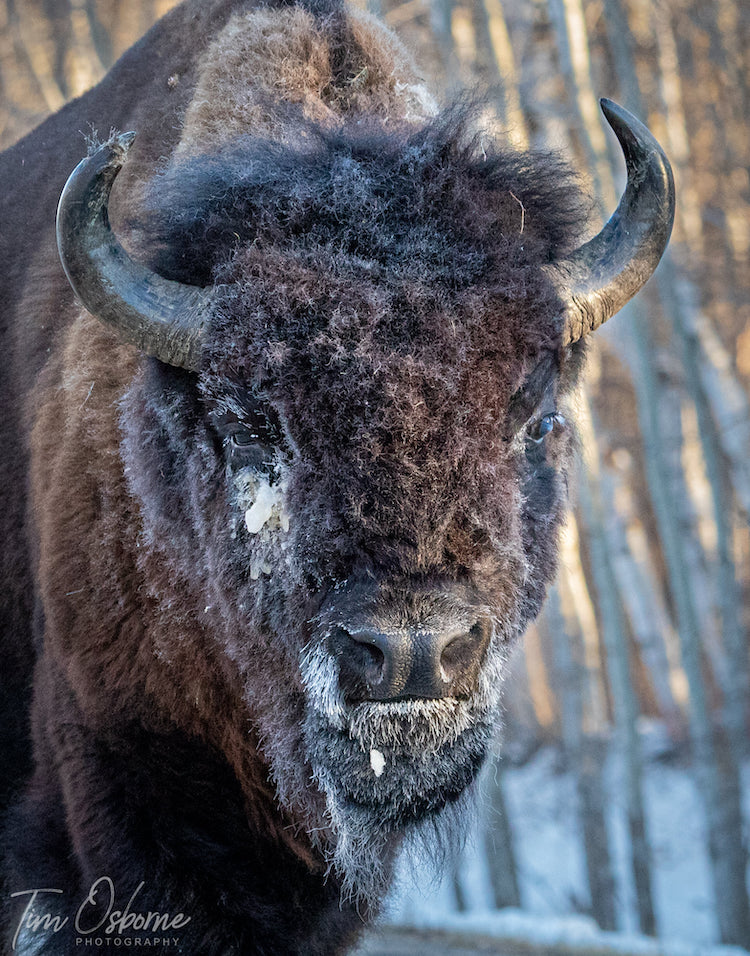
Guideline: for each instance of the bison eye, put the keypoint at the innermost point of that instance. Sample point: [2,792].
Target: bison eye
[248,436]
[541,427]
[244,446]
[241,437]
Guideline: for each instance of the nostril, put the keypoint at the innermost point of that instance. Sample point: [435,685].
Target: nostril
[363,662]
[461,659]
[408,663]
[371,660]
[456,658]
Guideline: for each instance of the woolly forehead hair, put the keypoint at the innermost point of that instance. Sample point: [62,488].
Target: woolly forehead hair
[383,290]
[441,203]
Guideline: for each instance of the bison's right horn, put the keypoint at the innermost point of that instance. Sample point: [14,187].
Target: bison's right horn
[163,318]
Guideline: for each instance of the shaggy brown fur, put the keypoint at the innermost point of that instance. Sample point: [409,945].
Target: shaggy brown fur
[382,322]
[266,61]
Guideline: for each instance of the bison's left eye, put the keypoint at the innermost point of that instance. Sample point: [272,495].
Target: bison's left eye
[546,425]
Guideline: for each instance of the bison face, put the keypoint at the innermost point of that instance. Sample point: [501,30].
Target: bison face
[393,458]
[359,479]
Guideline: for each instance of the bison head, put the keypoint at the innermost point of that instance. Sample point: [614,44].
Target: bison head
[353,450]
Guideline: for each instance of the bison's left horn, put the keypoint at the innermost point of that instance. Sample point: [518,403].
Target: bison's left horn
[163,318]
[603,274]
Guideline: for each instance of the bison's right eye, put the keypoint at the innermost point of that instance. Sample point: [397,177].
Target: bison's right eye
[248,437]
[243,448]
[240,436]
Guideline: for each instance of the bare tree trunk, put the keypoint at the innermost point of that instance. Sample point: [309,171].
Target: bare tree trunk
[718,784]
[498,841]
[572,43]
[585,753]
[440,23]
[52,50]
[592,801]
[462,904]
[619,670]
[530,713]
[642,600]
[729,405]
[735,676]
[493,30]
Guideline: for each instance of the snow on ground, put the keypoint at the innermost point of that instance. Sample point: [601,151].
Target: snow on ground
[541,805]
[569,934]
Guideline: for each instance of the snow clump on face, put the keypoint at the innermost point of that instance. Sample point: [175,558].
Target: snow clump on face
[377,762]
[262,508]
[261,501]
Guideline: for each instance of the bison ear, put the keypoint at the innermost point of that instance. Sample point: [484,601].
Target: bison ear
[603,274]
[163,318]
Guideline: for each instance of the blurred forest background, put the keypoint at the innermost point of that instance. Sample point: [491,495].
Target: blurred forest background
[641,654]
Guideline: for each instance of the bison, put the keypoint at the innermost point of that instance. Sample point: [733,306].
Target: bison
[286,441]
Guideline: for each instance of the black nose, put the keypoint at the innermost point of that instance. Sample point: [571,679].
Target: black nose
[409,663]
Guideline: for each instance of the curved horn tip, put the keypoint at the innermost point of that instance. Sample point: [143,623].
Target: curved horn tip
[639,145]
[119,141]
[163,318]
[101,166]
[620,119]
[123,141]
[612,109]
[111,154]
[608,270]
[635,138]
